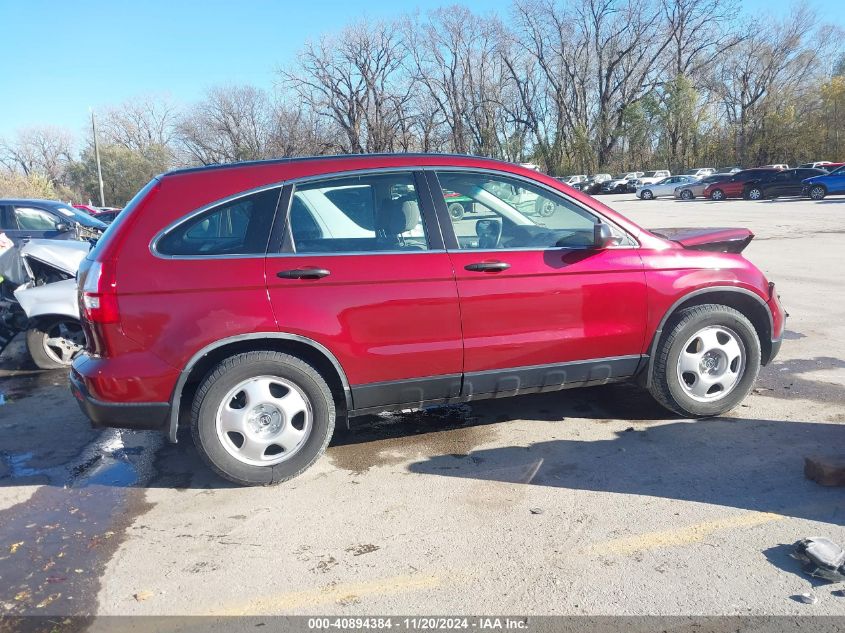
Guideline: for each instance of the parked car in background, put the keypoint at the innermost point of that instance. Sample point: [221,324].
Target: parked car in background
[573,180]
[24,219]
[108,216]
[734,187]
[619,183]
[815,165]
[831,167]
[691,190]
[818,187]
[665,187]
[649,178]
[777,166]
[593,185]
[701,172]
[218,303]
[788,182]
[38,296]
[729,170]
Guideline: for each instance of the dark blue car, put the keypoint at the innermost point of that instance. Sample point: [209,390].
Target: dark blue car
[26,219]
[830,184]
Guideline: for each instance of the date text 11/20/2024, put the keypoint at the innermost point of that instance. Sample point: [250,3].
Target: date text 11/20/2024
[421,623]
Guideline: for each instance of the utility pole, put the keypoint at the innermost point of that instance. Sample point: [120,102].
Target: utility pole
[97,155]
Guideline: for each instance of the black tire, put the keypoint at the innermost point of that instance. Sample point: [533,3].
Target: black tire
[226,376]
[544,207]
[817,192]
[686,194]
[717,195]
[59,355]
[456,211]
[646,194]
[665,385]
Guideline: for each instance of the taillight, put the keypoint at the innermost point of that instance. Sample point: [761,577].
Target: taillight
[99,294]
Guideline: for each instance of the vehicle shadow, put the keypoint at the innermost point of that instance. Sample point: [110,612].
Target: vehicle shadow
[750,464]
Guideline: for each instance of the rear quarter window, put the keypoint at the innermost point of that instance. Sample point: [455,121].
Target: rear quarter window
[235,227]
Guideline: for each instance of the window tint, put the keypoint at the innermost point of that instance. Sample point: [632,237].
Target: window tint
[489,211]
[29,219]
[357,214]
[238,227]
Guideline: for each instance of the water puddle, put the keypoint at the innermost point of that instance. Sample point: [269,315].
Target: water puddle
[55,546]
[393,438]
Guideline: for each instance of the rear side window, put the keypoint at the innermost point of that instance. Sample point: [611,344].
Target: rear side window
[237,227]
[357,214]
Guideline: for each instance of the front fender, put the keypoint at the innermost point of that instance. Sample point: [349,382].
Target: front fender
[58,299]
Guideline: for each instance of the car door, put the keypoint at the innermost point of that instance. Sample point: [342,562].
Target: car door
[540,308]
[360,268]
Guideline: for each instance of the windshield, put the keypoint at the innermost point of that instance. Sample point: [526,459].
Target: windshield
[79,217]
[839,170]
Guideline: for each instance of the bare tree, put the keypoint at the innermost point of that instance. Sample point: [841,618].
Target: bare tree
[140,123]
[230,124]
[44,151]
[355,80]
[772,57]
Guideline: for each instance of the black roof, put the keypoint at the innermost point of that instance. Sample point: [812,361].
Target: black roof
[297,159]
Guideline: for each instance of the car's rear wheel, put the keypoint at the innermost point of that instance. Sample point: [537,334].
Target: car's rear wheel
[647,194]
[456,210]
[261,418]
[706,361]
[54,343]
[545,207]
[717,194]
[817,192]
[686,194]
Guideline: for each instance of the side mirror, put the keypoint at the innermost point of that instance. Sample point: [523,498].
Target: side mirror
[603,236]
[63,227]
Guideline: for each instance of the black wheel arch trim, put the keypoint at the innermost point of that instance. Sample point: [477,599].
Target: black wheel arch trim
[652,350]
[175,400]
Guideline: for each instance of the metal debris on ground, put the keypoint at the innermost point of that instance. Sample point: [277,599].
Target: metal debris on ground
[808,598]
[536,510]
[822,558]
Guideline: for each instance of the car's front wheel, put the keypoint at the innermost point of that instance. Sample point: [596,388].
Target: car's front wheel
[717,194]
[261,418]
[647,194]
[755,193]
[817,192]
[706,361]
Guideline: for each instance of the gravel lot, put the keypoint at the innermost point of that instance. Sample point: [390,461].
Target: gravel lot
[588,501]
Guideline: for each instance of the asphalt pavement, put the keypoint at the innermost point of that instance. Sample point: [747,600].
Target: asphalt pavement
[592,501]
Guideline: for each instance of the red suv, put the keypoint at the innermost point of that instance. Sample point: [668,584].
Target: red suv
[263,303]
[737,185]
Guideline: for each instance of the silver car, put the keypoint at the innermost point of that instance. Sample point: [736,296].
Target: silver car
[665,187]
[690,190]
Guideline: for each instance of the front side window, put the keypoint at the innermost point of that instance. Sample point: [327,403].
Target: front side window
[498,212]
[29,219]
[357,214]
[237,227]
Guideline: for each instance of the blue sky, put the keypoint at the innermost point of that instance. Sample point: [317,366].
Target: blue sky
[60,58]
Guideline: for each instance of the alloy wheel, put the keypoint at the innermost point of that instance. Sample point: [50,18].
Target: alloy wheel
[63,341]
[264,420]
[711,363]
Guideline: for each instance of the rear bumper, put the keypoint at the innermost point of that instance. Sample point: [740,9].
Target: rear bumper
[133,415]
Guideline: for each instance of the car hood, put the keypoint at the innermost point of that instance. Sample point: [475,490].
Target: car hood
[724,240]
[66,255]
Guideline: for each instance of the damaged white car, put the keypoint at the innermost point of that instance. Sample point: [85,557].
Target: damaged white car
[38,296]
